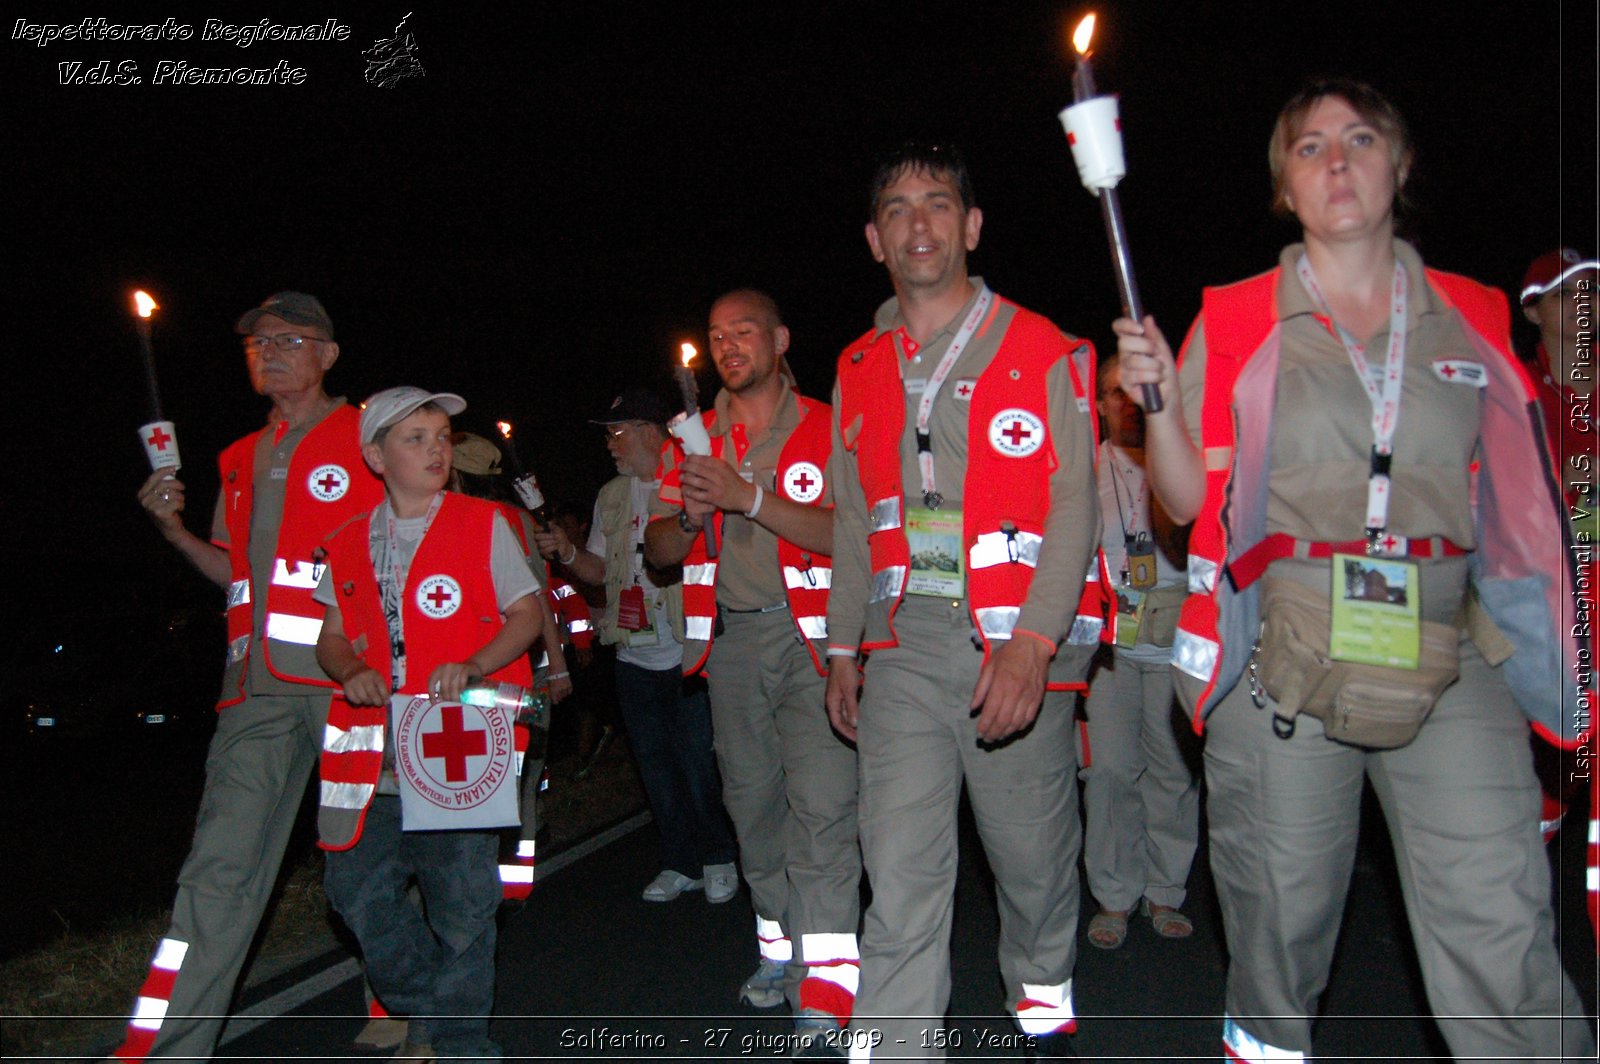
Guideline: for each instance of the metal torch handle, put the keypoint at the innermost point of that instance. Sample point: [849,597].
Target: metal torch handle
[1127,287]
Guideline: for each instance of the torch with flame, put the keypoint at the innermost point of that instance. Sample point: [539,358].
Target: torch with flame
[1094,130]
[526,483]
[688,426]
[158,436]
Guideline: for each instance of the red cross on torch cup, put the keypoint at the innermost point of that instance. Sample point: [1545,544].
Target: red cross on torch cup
[158,433]
[1094,131]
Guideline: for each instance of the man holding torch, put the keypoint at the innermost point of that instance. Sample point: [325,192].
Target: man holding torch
[756,623]
[966,522]
[284,488]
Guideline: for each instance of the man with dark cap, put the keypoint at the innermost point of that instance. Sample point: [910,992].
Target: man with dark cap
[284,488]
[667,714]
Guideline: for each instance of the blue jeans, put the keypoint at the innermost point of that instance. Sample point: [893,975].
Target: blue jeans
[438,970]
[669,728]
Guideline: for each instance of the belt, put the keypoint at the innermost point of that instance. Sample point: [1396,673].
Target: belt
[760,609]
[1248,567]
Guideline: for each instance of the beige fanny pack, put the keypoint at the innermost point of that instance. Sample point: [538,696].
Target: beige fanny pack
[1362,705]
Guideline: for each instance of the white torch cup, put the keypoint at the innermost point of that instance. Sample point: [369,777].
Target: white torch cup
[160,439]
[1096,141]
[528,491]
[691,432]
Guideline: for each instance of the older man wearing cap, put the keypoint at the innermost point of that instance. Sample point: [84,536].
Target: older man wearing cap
[284,488]
[667,714]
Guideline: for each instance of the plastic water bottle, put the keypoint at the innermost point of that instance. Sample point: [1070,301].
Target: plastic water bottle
[528,708]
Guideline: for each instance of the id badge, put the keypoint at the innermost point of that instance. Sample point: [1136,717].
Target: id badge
[936,554]
[630,609]
[1130,615]
[1377,613]
[1141,561]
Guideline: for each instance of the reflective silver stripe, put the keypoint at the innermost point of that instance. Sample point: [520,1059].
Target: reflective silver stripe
[361,739]
[884,514]
[846,976]
[561,591]
[148,1012]
[1202,575]
[819,577]
[579,625]
[238,647]
[346,795]
[238,593]
[813,627]
[1085,631]
[303,575]
[887,582]
[702,575]
[995,548]
[697,629]
[1045,1008]
[169,954]
[1243,1046]
[1195,655]
[826,947]
[775,945]
[516,873]
[287,628]
[998,621]
[525,849]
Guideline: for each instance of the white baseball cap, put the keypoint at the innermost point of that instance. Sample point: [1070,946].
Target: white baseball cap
[384,408]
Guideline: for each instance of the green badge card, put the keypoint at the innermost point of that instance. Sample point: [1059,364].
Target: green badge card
[1376,611]
[936,556]
[1130,615]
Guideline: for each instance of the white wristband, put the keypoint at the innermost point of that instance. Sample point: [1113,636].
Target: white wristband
[755,507]
[569,559]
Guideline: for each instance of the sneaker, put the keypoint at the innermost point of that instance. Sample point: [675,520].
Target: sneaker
[764,989]
[816,1036]
[722,882]
[669,885]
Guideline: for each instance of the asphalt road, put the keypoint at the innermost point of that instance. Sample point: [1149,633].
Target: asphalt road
[589,971]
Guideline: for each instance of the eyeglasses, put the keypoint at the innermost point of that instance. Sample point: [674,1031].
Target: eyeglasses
[282,341]
[620,429]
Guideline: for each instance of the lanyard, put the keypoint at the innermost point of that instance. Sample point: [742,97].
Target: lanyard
[1385,399]
[930,495]
[394,583]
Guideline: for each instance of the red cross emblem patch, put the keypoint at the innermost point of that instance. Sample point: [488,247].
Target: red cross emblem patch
[1016,433]
[1461,371]
[328,483]
[964,388]
[438,596]
[455,764]
[802,482]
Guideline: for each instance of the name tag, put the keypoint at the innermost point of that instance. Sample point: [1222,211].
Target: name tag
[916,385]
[1377,617]
[936,557]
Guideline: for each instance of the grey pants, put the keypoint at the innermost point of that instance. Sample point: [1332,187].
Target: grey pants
[256,771]
[918,742]
[1462,807]
[1141,800]
[788,781]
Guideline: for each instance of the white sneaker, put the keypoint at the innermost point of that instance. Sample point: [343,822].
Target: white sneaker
[722,882]
[669,885]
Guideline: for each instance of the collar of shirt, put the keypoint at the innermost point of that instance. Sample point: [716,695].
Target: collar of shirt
[786,416]
[1292,299]
[889,318]
[281,430]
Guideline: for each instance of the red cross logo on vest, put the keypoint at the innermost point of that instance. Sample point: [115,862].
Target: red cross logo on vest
[455,764]
[453,743]
[159,438]
[328,483]
[964,388]
[438,596]
[1461,371]
[802,482]
[1016,433]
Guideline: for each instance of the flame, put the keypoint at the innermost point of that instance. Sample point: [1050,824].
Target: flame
[504,427]
[1083,34]
[143,304]
[688,353]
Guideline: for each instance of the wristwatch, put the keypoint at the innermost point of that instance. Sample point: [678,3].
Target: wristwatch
[687,525]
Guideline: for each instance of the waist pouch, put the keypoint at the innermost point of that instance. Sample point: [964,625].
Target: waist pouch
[1375,706]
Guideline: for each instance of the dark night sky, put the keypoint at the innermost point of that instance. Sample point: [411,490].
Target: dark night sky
[550,210]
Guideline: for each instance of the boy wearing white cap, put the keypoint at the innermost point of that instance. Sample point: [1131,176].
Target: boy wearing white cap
[425,595]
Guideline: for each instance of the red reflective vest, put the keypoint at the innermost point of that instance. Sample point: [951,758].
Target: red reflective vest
[1520,560]
[1006,497]
[448,612]
[807,576]
[328,484]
